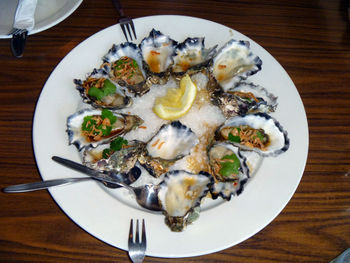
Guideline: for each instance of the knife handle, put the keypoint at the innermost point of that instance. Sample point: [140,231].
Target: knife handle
[21,188]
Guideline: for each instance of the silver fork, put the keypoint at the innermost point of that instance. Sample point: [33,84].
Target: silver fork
[125,22]
[136,247]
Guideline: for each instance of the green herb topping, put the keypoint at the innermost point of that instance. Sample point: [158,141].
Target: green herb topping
[230,165]
[99,93]
[94,127]
[115,145]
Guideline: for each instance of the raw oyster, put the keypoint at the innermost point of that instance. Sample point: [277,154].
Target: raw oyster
[229,168]
[191,56]
[119,155]
[258,132]
[233,63]
[244,99]
[180,194]
[172,142]
[100,92]
[157,51]
[91,127]
[124,64]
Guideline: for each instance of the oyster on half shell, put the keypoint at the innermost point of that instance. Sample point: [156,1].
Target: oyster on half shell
[257,132]
[234,62]
[243,99]
[180,194]
[192,56]
[124,64]
[172,142]
[157,51]
[105,157]
[91,127]
[99,91]
[229,168]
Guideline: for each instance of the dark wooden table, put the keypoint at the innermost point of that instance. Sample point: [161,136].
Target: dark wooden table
[311,39]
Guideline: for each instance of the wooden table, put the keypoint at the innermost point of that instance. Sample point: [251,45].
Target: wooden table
[311,39]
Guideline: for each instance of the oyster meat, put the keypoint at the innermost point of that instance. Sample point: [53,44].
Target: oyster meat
[91,127]
[179,194]
[257,132]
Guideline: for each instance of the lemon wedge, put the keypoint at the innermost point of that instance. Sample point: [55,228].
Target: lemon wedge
[177,102]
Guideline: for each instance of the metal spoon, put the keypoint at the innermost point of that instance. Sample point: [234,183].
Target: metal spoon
[146,195]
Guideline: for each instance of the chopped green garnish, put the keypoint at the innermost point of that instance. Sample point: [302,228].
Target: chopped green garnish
[118,63]
[134,64]
[96,92]
[108,89]
[233,138]
[108,114]
[260,136]
[92,124]
[116,145]
[106,153]
[228,168]
[88,123]
[106,130]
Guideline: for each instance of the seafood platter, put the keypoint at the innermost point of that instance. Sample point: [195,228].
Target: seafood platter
[210,150]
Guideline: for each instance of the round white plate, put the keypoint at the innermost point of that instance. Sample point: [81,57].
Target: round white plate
[48,13]
[221,224]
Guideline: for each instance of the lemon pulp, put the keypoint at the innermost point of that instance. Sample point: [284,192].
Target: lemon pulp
[177,102]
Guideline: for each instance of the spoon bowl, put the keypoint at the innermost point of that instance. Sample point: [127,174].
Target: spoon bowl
[146,196]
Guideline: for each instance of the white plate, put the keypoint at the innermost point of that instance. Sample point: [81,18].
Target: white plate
[221,224]
[48,13]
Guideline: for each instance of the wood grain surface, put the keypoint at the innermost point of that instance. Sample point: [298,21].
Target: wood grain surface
[311,40]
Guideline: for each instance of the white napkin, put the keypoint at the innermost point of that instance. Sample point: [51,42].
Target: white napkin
[24,18]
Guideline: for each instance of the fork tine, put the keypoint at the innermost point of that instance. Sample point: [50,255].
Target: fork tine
[131,233]
[128,28]
[143,237]
[123,28]
[133,28]
[137,239]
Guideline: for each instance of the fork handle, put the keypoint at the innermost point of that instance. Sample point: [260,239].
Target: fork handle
[118,6]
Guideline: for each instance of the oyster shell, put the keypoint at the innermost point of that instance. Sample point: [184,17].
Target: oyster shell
[226,162]
[157,51]
[124,64]
[243,99]
[234,62]
[100,92]
[192,56]
[180,194]
[172,142]
[229,168]
[258,132]
[105,157]
[89,127]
